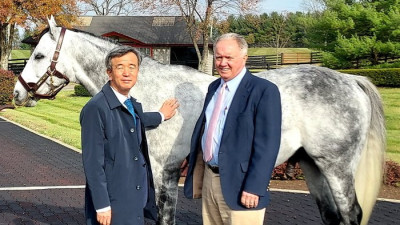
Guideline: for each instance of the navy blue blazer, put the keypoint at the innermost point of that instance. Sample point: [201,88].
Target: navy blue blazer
[249,143]
[113,160]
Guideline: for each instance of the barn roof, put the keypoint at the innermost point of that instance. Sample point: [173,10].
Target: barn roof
[146,30]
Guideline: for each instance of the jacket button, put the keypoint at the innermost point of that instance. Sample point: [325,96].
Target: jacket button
[132,130]
[138,187]
[135,158]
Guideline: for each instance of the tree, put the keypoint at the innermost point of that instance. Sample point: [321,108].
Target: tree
[24,12]
[276,30]
[28,32]
[314,5]
[17,40]
[114,7]
[200,17]
[356,30]
[280,30]
[353,49]
[248,26]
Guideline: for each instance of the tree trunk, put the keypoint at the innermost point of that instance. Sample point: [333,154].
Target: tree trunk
[196,47]
[6,39]
[203,62]
[375,58]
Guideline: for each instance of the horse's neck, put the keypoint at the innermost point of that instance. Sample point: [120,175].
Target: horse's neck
[89,53]
[157,82]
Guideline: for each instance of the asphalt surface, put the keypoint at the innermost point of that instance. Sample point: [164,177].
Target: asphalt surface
[42,182]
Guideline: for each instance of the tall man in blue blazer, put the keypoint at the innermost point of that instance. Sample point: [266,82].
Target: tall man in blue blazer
[119,183]
[233,179]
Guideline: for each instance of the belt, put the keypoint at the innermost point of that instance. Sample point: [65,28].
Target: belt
[214,169]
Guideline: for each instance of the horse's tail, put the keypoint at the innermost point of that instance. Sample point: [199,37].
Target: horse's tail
[369,173]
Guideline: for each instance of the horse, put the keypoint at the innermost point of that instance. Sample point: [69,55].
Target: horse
[333,123]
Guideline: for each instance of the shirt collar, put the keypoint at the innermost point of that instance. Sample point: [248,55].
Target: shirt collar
[234,83]
[121,98]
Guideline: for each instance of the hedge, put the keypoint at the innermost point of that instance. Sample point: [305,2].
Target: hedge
[7,86]
[81,91]
[391,175]
[389,77]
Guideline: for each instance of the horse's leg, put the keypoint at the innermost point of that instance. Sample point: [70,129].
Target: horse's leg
[168,195]
[332,184]
[341,183]
[319,189]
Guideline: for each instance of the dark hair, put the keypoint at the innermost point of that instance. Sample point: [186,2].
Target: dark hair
[120,51]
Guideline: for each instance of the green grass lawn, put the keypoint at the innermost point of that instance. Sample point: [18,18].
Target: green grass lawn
[20,54]
[57,118]
[391,100]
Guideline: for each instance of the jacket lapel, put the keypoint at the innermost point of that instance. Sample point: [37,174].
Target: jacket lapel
[137,106]
[237,106]
[112,100]
[213,88]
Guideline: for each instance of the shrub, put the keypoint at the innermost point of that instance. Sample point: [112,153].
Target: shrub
[392,174]
[330,61]
[385,65]
[81,91]
[279,172]
[6,87]
[380,77]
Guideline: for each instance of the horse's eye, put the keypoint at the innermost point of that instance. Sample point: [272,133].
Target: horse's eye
[39,56]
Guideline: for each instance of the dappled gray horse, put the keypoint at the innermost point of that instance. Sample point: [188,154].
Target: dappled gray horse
[332,122]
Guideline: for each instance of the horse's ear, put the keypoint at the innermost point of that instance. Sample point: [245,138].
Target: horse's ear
[52,24]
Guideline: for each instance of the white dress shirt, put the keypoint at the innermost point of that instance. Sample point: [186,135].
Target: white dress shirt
[231,87]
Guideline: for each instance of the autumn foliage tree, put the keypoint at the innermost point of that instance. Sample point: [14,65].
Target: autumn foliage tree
[28,12]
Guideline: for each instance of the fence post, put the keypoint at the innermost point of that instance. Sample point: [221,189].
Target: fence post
[264,60]
[282,58]
[311,57]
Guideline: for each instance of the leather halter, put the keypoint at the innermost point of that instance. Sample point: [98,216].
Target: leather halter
[32,88]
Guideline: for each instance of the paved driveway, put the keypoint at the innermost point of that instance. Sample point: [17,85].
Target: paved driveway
[41,182]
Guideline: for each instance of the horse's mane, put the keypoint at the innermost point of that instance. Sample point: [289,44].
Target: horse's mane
[44,31]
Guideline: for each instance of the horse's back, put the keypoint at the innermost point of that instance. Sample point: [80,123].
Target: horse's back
[321,108]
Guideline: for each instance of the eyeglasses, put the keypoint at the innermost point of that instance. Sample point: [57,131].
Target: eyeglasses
[121,68]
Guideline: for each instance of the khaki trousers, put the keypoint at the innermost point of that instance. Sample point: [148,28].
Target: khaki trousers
[216,212]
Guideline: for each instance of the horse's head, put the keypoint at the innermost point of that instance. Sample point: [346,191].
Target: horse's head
[41,77]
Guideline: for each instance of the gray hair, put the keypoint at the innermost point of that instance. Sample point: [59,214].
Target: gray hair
[120,51]
[237,37]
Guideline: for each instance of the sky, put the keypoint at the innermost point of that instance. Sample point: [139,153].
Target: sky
[268,6]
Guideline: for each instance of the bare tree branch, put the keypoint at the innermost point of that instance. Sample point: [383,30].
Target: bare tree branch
[200,16]
[116,8]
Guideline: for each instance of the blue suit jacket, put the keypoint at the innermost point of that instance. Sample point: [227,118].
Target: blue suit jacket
[113,159]
[249,144]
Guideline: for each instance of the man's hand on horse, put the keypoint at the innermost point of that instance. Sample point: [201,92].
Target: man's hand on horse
[168,109]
